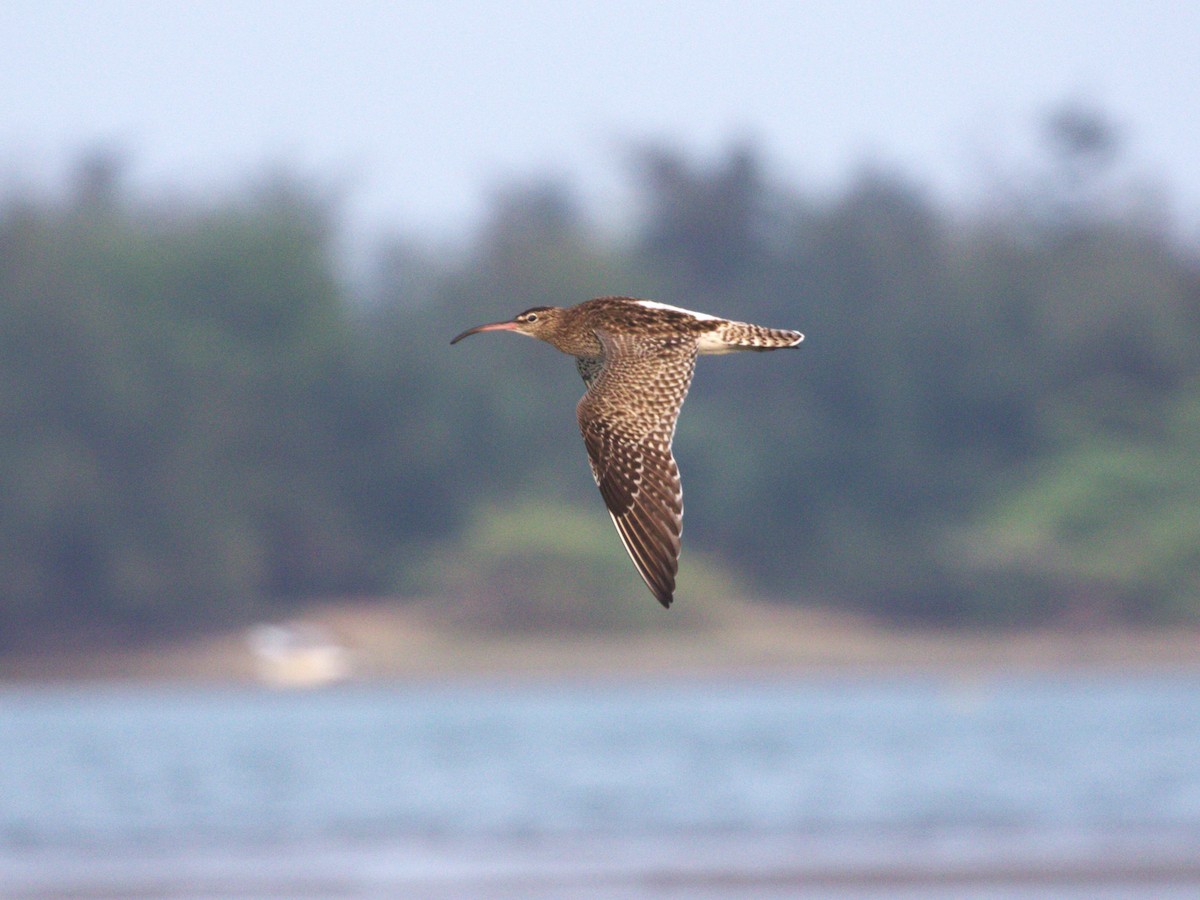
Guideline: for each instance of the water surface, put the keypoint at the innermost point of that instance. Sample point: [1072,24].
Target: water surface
[675,787]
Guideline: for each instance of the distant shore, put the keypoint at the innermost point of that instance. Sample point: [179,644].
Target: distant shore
[476,868]
[389,640]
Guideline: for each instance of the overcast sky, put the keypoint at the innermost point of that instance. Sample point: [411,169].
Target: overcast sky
[421,108]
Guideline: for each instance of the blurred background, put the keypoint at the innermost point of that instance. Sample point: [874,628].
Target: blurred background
[235,240]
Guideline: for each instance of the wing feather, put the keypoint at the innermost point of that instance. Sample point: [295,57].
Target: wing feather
[627,418]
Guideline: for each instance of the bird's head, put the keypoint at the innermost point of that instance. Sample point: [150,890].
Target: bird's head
[538,322]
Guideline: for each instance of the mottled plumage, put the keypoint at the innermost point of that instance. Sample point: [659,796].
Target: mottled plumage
[636,358]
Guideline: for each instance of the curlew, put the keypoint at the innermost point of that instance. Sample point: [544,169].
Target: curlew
[637,358]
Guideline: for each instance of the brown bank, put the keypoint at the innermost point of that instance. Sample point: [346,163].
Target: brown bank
[375,640]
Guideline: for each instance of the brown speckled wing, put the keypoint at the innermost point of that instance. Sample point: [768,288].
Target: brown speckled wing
[628,420]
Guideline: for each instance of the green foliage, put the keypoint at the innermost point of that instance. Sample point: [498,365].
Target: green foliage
[545,566]
[992,419]
[166,457]
[1106,529]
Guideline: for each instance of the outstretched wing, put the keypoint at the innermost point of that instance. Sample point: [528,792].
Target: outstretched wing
[628,419]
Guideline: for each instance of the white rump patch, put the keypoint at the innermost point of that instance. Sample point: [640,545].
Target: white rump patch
[654,304]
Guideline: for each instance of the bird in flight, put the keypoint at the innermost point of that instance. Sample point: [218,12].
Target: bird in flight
[637,358]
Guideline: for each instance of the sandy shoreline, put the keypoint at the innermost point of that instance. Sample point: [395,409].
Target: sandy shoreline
[676,865]
[383,640]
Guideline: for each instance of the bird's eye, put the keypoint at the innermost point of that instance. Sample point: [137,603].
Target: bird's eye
[531,317]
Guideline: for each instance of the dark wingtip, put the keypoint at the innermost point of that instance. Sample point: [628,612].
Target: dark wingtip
[665,600]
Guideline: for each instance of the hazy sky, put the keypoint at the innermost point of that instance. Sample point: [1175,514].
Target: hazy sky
[421,108]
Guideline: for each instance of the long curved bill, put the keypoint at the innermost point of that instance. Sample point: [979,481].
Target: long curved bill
[494,326]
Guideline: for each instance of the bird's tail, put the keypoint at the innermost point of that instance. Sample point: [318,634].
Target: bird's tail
[732,336]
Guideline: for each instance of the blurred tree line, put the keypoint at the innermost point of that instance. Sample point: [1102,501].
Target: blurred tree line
[994,418]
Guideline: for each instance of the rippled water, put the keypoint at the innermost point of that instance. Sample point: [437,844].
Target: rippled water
[621,788]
